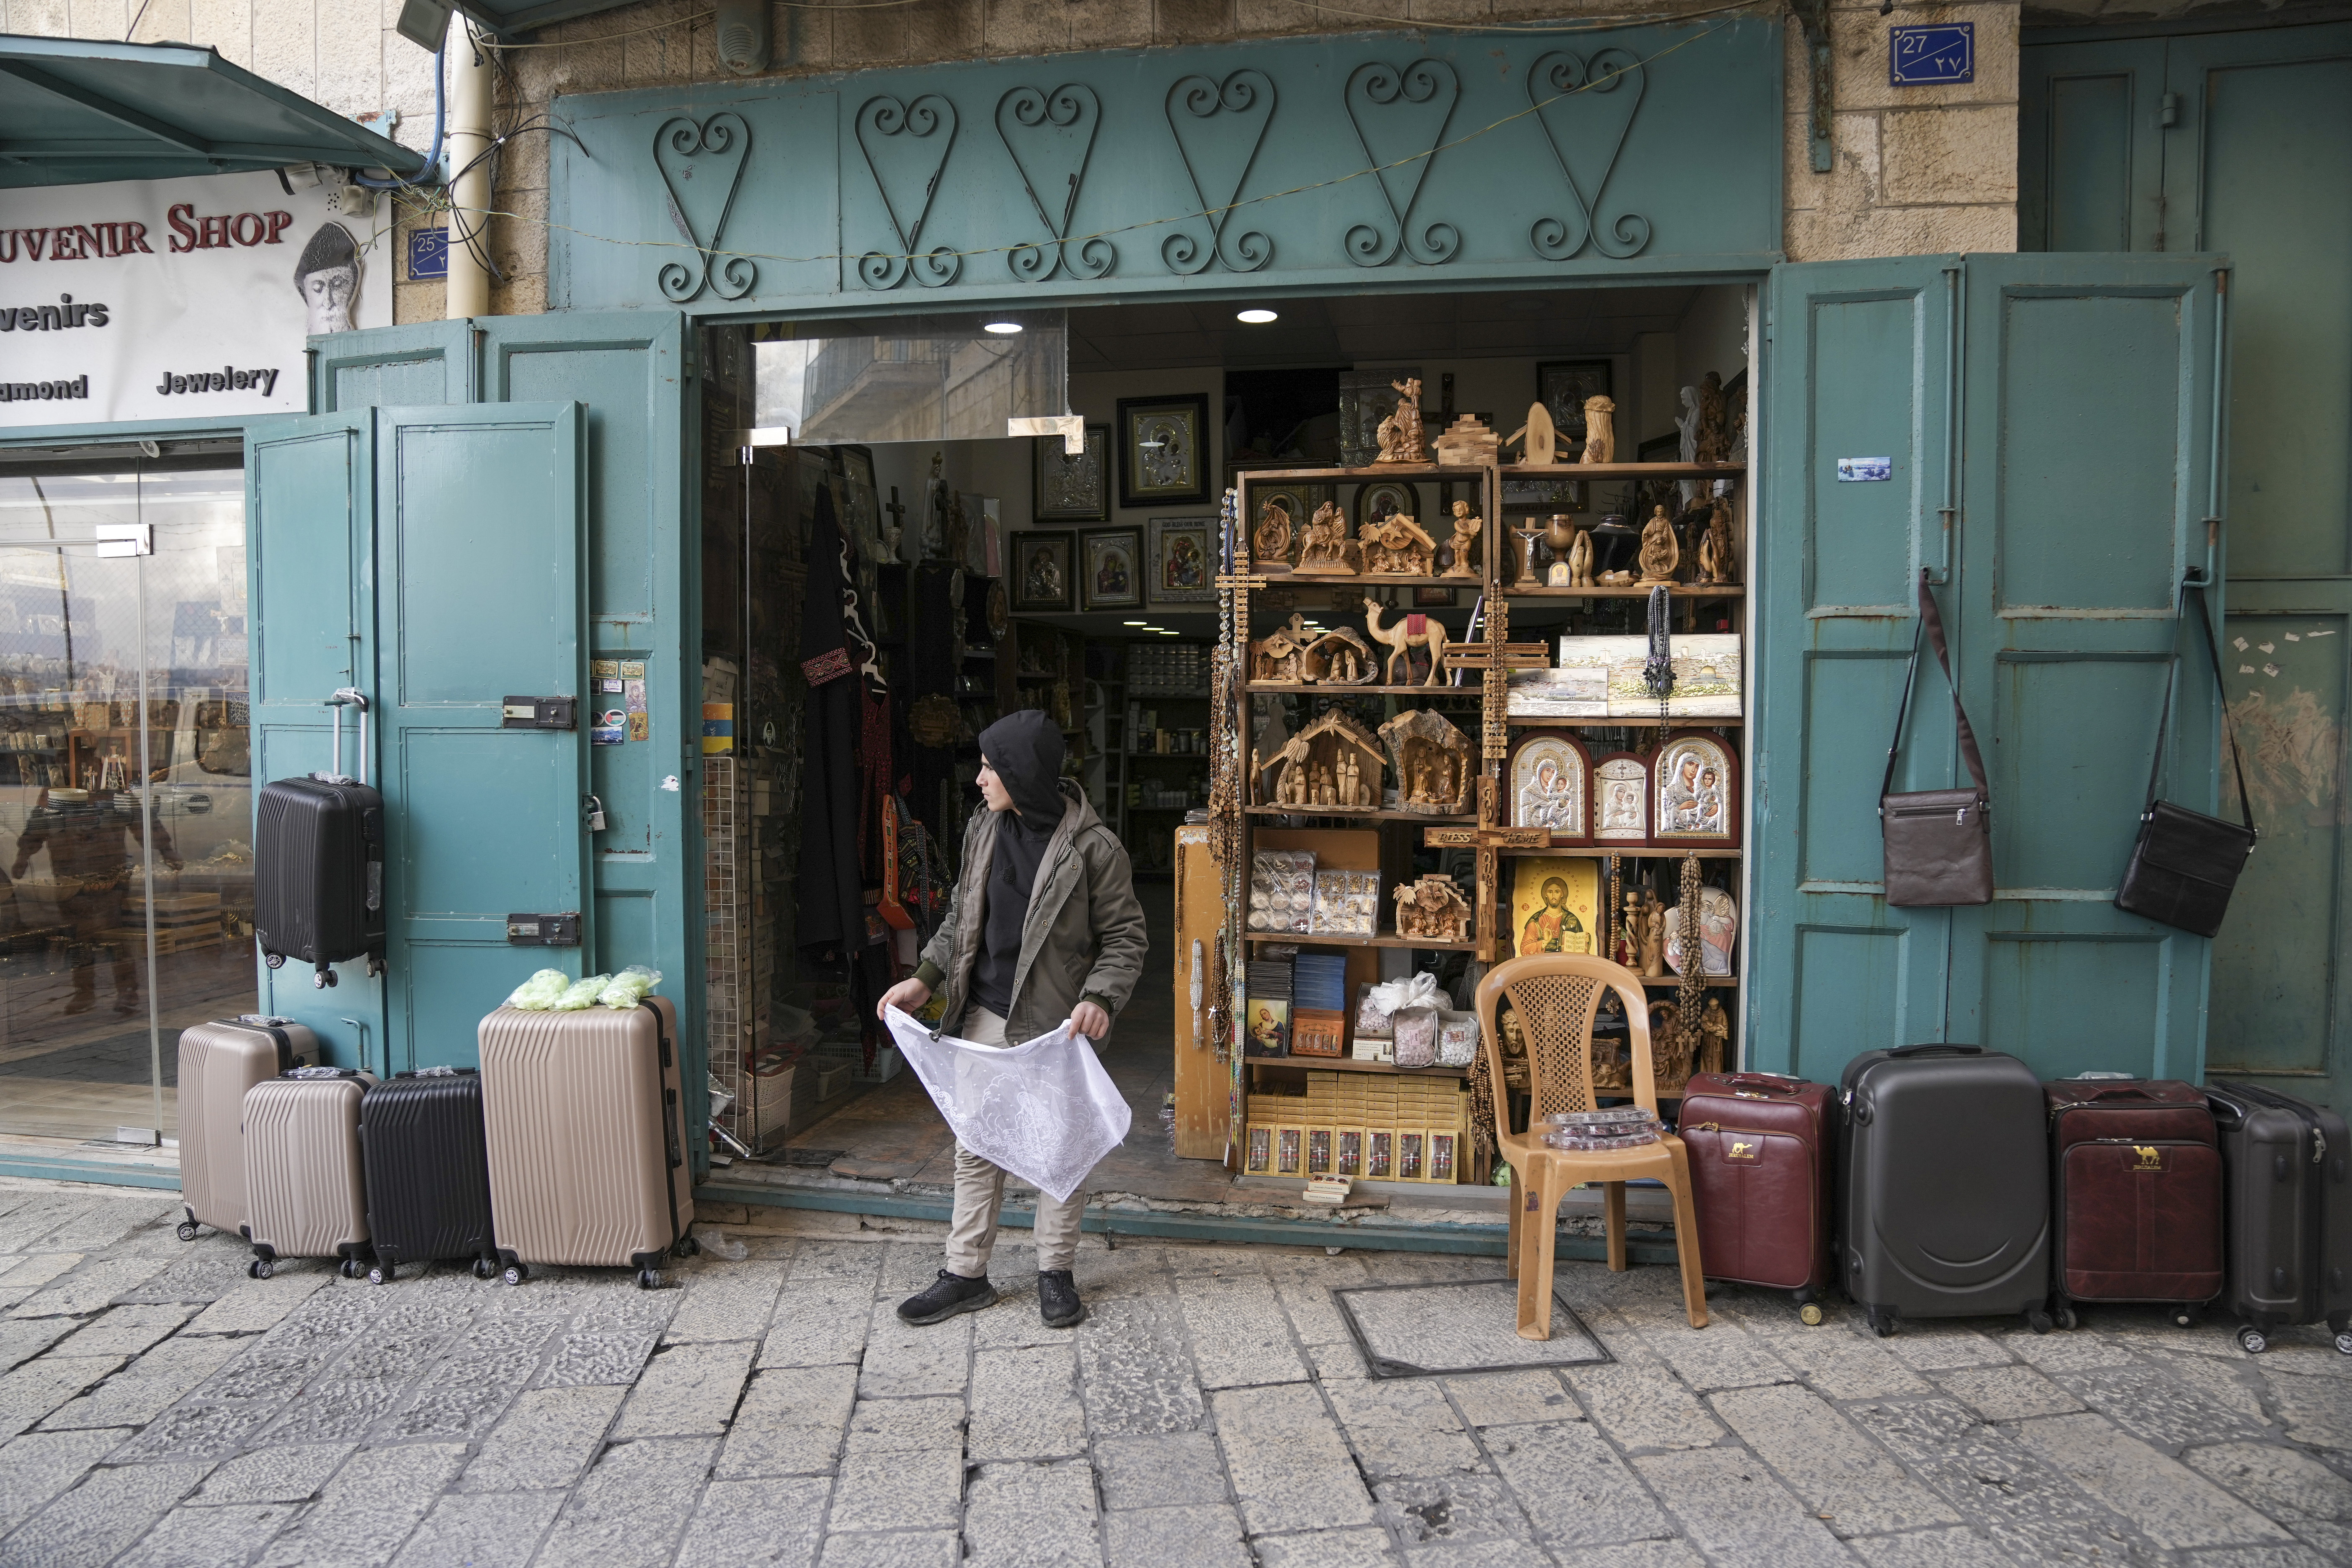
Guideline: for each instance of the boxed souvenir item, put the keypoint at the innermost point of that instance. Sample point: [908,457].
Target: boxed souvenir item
[1315,1031]
[1457,1038]
[1346,903]
[1615,1127]
[1281,890]
[1416,1038]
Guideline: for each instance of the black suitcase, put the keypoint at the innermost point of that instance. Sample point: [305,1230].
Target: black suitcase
[318,865]
[2288,1199]
[1943,1186]
[428,1171]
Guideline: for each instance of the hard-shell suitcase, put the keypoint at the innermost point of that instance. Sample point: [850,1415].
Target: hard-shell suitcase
[2289,1207]
[303,1193]
[1760,1166]
[218,1062]
[2136,1190]
[318,865]
[1943,1185]
[428,1171]
[587,1138]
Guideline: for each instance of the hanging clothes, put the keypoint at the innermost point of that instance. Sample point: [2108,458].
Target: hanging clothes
[831,914]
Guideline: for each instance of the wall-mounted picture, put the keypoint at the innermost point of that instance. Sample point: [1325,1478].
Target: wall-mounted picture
[1074,489]
[1555,904]
[1041,578]
[1367,398]
[1182,560]
[1551,495]
[1163,456]
[1380,500]
[1697,790]
[1110,568]
[1563,385]
[1551,786]
[1268,1034]
[1425,598]
[1620,800]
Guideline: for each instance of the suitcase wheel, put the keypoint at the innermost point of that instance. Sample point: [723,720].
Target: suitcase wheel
[260,1268]
[275,960]
[381,1273]
[2064,1316]
[648,1278]
[2039,1321]
[485,1268]
[1810,1314]
[2253,1341]
[349,1268]
[2343,1342]
[321,979]
[517,1273]
[2185,1316]
[187,1230]
[687,1246]
[1882,1323]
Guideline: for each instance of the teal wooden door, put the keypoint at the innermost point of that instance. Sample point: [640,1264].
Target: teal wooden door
[309,581]
[2241,143]
[2087,424]
[2053,515]
[1857,362]
[479,539]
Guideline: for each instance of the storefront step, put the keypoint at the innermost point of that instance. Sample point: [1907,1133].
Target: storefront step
[91,1160]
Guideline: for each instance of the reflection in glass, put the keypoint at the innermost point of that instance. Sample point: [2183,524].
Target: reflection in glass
[126,910]
[930,378]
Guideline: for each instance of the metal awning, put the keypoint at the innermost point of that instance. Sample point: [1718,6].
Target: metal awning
[79,110]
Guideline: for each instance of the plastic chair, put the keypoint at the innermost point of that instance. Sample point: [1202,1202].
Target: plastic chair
[1556,996]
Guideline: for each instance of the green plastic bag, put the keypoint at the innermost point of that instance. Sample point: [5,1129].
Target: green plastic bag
[581,994]
[629,988]
[539,993]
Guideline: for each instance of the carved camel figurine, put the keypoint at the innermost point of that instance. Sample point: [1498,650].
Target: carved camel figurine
[1398,637]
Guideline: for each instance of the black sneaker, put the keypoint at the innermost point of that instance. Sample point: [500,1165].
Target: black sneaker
[949,1294]
[1057,1300]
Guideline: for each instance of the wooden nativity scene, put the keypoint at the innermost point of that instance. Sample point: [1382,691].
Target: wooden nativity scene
[1436,765]
[1334,764]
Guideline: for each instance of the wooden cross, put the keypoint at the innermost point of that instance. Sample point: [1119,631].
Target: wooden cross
[897,511]
[1489,839]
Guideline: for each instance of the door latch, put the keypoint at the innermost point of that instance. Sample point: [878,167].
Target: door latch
[2167,111]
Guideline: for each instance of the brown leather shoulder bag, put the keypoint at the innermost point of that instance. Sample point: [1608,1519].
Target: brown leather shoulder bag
[1939,841]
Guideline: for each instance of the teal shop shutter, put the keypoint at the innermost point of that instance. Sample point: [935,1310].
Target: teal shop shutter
[423,362]
[1857,362]
[480,539]
[2077,453]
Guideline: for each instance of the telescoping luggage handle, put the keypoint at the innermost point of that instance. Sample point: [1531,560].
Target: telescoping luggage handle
[347,697]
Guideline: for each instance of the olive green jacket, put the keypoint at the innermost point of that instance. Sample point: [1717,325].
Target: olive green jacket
[1083,940]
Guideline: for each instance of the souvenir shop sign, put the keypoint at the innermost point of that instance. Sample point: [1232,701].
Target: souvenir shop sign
[173,298]
[1359,161]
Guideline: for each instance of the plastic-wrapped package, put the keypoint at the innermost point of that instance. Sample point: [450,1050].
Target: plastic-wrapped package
[629,987]
[1281,890]
[1373,1021]
[1611,1127]
[581,994]
[539,993]
[1416,1037]
[1457,1038]
[1346,903]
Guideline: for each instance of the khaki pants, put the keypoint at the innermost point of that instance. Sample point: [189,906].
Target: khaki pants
[980,1191]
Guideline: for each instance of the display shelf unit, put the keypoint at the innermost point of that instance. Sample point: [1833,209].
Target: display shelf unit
[1325,939]
[1544,612]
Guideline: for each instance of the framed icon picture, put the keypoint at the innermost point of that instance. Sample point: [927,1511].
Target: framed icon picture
[1697,783]
[1563,385]
[1620,800]
[1555,904]
[1163,457]
[1074,489]
[1110,568]
[1384,498]
[1549,779]
[1183,560]
[1042,575]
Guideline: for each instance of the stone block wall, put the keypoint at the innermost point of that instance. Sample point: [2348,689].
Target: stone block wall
[1917,170]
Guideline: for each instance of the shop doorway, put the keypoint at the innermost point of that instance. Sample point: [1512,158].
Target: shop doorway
[1066,585]
[125,781]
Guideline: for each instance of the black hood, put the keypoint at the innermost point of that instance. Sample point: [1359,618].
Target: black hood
[1026,750]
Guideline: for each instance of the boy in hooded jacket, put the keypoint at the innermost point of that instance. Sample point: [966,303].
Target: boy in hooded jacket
[1043,928]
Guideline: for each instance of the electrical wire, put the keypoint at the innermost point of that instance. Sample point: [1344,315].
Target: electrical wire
[440,126]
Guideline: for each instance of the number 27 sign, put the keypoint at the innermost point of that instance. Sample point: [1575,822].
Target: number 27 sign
[1930,57]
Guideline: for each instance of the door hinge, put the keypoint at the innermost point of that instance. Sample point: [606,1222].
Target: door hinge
[2168,112]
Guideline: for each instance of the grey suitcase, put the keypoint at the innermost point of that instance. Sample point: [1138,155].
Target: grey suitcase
[2286,1180]
[218,1062]
[1943,1186]
[304,1192]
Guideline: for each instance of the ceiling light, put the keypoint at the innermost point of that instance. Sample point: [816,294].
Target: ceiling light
[1002,328]
[1166,633]
[1257,316]
[1135,623]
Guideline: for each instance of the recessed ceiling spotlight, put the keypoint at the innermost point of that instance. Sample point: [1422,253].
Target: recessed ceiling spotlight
[1002,328]
[1258,316]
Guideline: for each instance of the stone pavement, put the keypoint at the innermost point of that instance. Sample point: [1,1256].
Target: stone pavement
[158,1407]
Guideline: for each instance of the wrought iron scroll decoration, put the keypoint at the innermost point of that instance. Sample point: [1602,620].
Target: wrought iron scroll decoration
[701,166]
[902,132]
[1196,106]
[1050,137]
[1588,105]
[1408,109]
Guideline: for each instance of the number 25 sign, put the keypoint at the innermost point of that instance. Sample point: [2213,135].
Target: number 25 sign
[1932,55]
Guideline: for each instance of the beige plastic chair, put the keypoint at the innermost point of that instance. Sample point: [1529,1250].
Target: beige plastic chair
[1556,996]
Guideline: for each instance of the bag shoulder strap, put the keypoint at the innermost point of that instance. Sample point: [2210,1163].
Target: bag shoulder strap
[2191,587]
[1931,625]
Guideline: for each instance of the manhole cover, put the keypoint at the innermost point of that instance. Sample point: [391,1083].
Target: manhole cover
[1463,1325]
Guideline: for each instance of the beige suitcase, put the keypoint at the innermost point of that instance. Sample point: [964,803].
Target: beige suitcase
[587,1138]
[218,1062]
[304,1193]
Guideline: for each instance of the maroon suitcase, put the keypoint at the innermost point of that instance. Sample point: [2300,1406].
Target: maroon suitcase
[2137,1174]
[1760,1166]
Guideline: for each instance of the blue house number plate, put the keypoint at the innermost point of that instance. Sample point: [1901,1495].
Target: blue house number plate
[428,254]
[1930,57]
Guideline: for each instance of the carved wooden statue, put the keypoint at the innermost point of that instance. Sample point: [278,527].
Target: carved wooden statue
[1580,559]
[1654,938]
[1399,635]
[1466,443]
[1280,654]
[1669,1060]
[1660,552]
[1433,909]
[1599,431]
[1325,548]
[1714,444]
[1716,563]
[1270,545]
[1401,439]
[1715,1037]
[1541,436]
[1395,546]
[1435,762]
[1465,536]
[1339,657]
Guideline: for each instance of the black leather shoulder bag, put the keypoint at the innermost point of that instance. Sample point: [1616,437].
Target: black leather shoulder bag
[1939,841]
[2185,864]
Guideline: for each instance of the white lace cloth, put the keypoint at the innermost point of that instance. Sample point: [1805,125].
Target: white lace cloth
[1046,1110]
